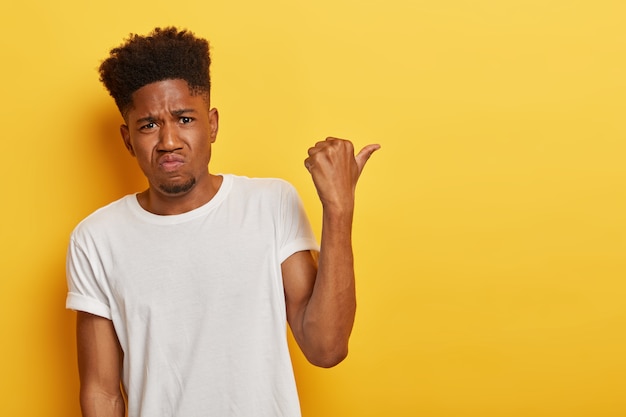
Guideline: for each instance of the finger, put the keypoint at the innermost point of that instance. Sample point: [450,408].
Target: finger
[317,148]
[308,164]
[313,150]
[364,154]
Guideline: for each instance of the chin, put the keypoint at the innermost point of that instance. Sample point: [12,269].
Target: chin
[178,188]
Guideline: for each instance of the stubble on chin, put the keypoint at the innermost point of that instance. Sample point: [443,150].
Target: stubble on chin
[177,188]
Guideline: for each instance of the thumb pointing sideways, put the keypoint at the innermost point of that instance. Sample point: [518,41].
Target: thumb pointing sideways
[364,154]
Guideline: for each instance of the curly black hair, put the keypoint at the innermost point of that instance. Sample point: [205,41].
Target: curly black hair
[165,53]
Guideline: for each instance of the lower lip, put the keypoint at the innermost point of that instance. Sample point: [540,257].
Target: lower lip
[171,166]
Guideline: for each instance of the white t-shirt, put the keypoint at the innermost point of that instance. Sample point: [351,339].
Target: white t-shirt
[197,299]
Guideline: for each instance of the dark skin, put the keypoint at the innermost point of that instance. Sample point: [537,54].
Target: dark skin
[170,130]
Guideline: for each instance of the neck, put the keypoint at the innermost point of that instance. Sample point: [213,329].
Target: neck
[157,202]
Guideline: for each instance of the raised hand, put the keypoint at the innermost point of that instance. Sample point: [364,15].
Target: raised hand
[335,170]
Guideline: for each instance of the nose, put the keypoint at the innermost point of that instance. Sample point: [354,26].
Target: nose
[168,138]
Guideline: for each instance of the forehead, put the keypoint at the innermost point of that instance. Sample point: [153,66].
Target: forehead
[166,95]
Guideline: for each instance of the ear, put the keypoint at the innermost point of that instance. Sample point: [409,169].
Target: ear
[126,137]
[214,118]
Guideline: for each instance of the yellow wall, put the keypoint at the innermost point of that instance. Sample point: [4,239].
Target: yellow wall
[491,227]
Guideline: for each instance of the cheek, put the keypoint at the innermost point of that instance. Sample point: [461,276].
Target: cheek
[144,157]
[207,154]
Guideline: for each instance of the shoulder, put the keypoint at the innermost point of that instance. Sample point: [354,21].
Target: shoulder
[253,185]
[105,217]
[274,194]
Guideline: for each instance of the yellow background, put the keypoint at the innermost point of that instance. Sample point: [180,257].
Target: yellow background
[490,231]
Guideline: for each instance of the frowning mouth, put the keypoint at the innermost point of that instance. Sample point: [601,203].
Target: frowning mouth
[171,162]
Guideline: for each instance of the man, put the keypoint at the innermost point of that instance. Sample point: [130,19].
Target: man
[183,290]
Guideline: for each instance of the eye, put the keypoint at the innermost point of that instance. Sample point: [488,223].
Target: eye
[184,120]
[148,126]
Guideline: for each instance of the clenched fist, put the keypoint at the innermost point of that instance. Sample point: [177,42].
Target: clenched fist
[335,170]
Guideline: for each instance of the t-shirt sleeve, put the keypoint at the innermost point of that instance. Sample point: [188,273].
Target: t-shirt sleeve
[84,291]
[296,233]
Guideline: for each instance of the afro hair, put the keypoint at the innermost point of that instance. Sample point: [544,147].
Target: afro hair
[164,54]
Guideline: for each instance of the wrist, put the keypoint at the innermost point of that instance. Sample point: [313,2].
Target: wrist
[338,216]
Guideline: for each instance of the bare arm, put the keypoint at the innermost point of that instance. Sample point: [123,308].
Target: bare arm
[99,366]
[321,301]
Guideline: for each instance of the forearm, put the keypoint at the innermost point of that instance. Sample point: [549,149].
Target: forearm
[329,316]
[99,366]
[100,404]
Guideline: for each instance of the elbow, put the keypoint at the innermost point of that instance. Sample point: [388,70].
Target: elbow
[329,361]
[328,357]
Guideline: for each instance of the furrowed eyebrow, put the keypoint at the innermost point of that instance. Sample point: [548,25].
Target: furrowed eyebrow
[182,111]
[153,119]
[147,119]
